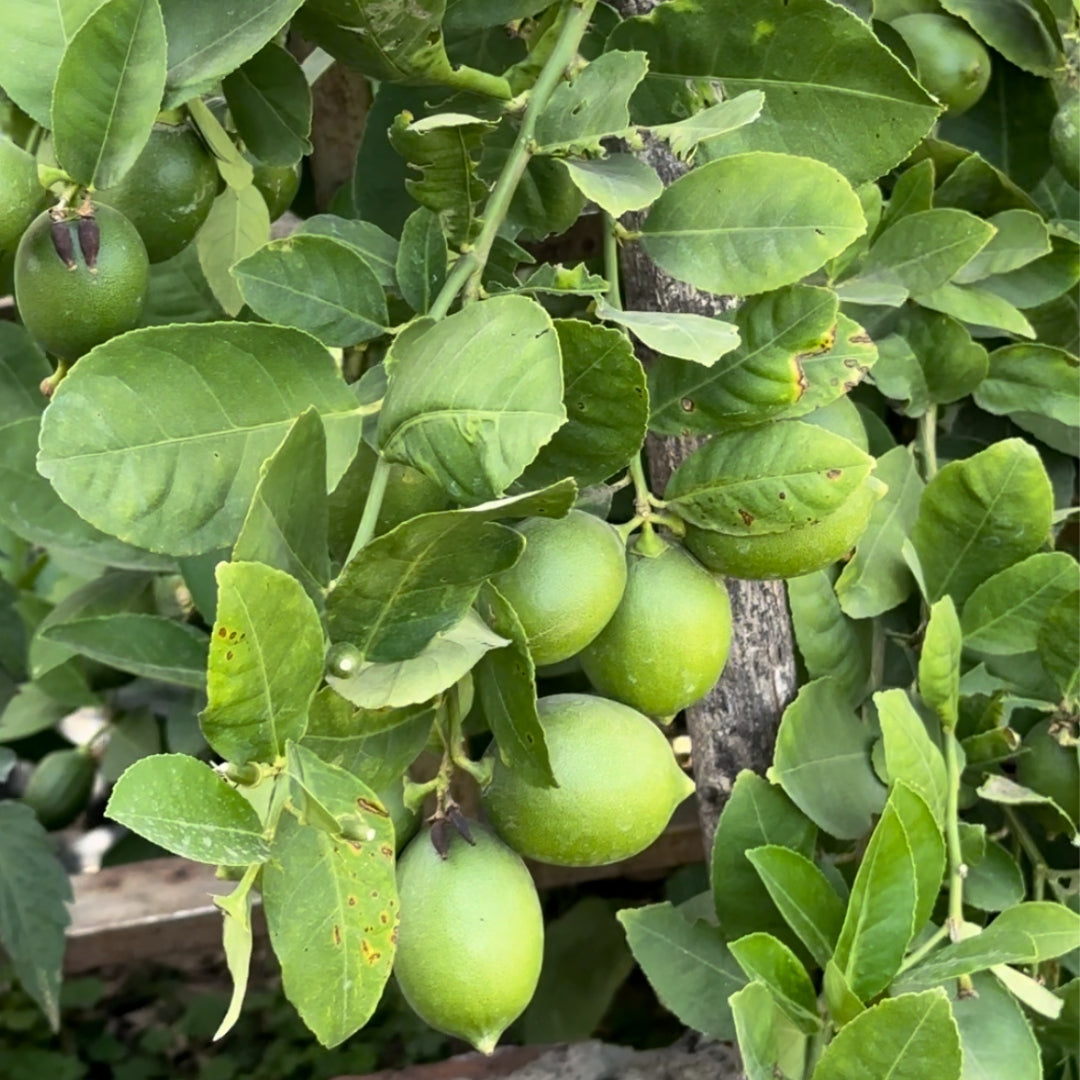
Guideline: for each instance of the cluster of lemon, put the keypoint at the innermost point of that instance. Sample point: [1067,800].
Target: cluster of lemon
[651,628]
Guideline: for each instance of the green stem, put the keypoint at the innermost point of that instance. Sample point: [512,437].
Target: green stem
[917,956]
[957,869]
[480,82]
[927,439]
[611,263]
[366,529]
[642,502]
[479,771]
[1040,869]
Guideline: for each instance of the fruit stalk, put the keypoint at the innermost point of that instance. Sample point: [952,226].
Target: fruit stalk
[927,439]
[366,529]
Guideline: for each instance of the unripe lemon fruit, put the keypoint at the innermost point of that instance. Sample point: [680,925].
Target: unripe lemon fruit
[22,194]
[668,641]
[791,553]
[277,184]
[951,61]
[1065,140]
[618,786]
[71,311]
[567,583]
[471,936]
[168,192]
[60,786]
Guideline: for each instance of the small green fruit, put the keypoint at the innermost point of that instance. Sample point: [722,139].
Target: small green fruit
[951,61]
[792,553]
[1051,769]
[60,787]
[618,786]
[567,583]
[471,937]
[1065,140]
[278,185]
[70,311]
[668,641]
[22,194]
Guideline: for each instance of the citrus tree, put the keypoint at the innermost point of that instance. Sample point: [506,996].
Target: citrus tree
[286,512]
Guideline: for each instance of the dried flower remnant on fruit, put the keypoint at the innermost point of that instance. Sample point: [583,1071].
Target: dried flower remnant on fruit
[89,240]
[62,243]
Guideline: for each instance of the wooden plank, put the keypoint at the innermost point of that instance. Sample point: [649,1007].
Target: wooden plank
[162,907]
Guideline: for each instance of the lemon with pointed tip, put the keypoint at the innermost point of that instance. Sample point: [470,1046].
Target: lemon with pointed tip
[471,936]
[950,59]
[618,782]
[668,641]
[567,583]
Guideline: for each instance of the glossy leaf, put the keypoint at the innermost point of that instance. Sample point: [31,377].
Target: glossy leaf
[792,216]
[1041,281]
[767,479]
[108,91]
[927,842]
[286,523]
[910,1037]
[976,306]
[770,1044]
[939,662]
[804,897]
[606,404]
[182,805]
[688,965]
[996,1037]
[1021,238]
[237,226]
[617,183]
[980,515]
[910,754]
[822,761]
[449,412]
[266,661]
[237,940]
[769,961]
[834,92]
[22,367]
[420,269]
[1031,378]
[673,333]
[378,249]
[270,103]
[756,814]
[1016,28]
[995,882]
[684,136]
[950,365]
[1059,645]
[225,393]
[876,579]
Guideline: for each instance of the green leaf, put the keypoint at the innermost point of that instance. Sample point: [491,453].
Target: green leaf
[912,193]
[980,515]
[767,479]
[910,1037]
[803,895]
[237,940]
[179,292]
[834,91]
[317,284]
[237,226]
[755,814]
[270,103]
[927,843]
[33,890]
[378,249]
[939,662]
[1016,28]
[1059,646]
[685,336]
[22,367]
[830,374]
[421,260]
[132,737]
[1021,238]
[1031,378]
[876,579]
[605,399]
[910,754]
[182,805]
[880,918]
[1003,615]
[444,148]
[266,662]
[768,960]
[1030,992]
[976,306]
[592,106]
[506,685]
[842,1002]
[446,658]
[995,1036]
[147,645]
[286,523]
[617,183]
[995,882]
[688,965]
[108,91]
[208,40]
[684,136]
[28,712]
[950,364]
[1041,281]
[331,904]
[830,642]
[558,279]
[1002,790]
[822,761]
[451,412]
[760,379]
[779,218]
[33,35]
[770,1044]
[225,393]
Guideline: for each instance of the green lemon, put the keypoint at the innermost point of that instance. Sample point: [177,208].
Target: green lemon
[1065,140]
[668,641]
[471,937]
[950,60]
[278,185]
[168,192]
[71,311]
[792,553]
[60,786]
[567,583]
[22,195]
[618,785]
[14,123]
[1050,769]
